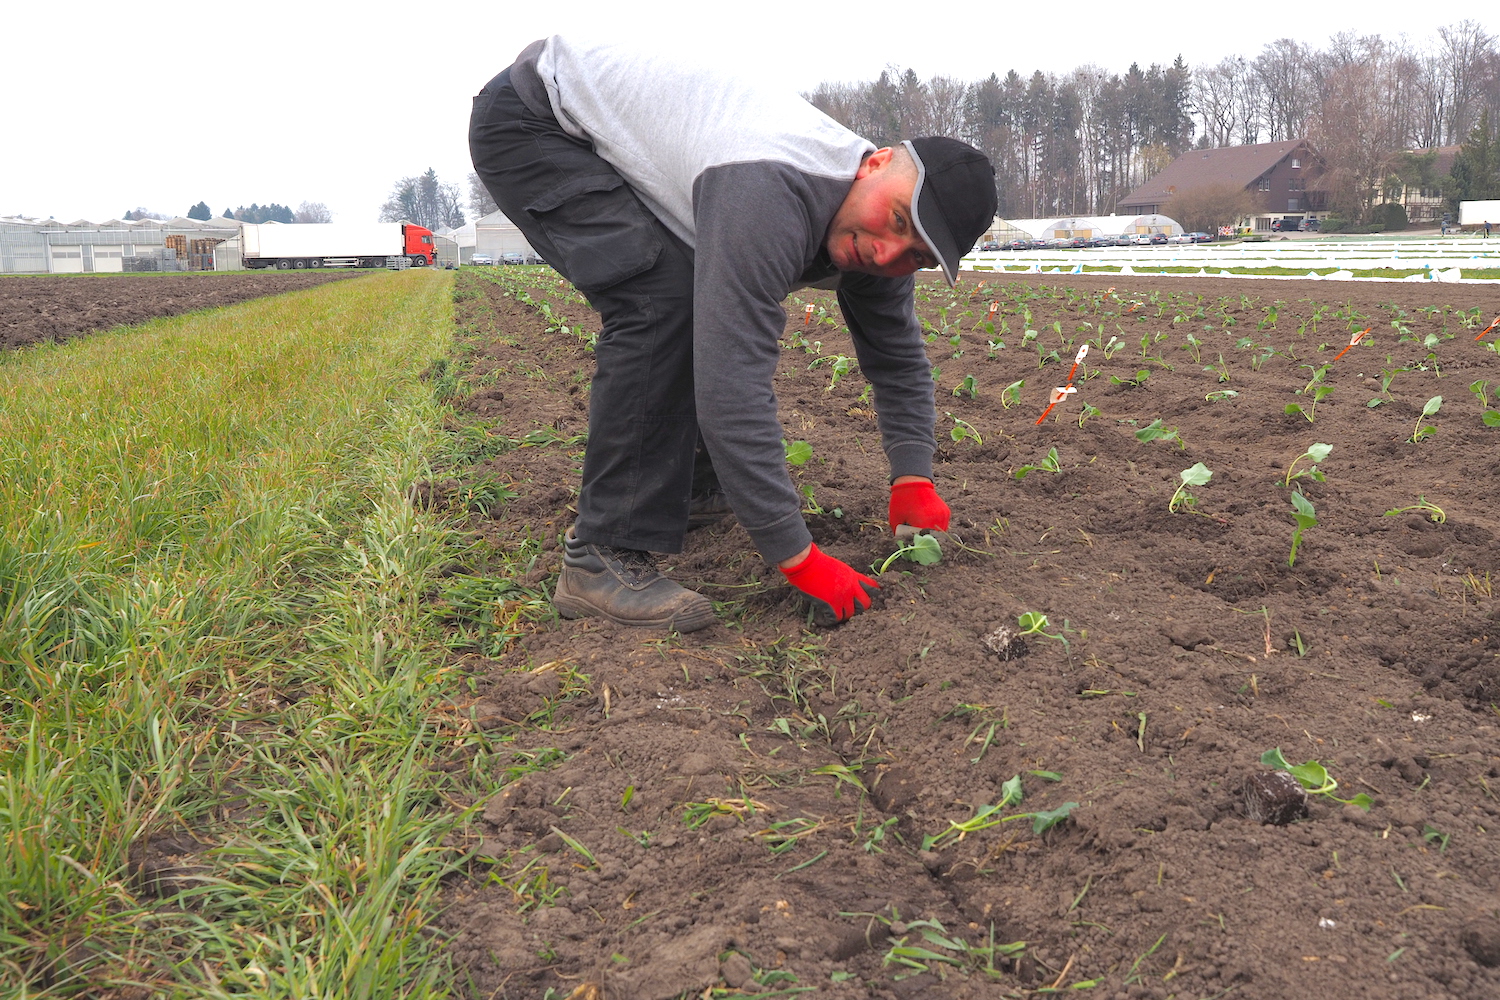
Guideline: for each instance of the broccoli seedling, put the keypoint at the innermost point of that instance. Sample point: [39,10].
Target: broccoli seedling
[797,452]
[1035,623]
[1432,510]
[1306,517]
[923,549]
[1049,464]
[1419,432]
[1197,475]
[1314,777]
[963,430]
[1158,431]
[1317,453]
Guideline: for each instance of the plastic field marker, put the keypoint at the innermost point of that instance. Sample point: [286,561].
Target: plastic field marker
[994,308]
[807,312]
[1058,395]
[1083,352]
[1354,339]
[1488,328]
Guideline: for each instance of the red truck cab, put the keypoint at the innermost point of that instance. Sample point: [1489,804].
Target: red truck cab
[419,243]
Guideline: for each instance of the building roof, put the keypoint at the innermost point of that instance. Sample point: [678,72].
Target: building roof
[1197,168]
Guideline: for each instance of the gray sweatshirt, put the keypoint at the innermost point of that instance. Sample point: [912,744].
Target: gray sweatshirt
[750,177]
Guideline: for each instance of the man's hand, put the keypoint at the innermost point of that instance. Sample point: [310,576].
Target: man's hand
[837,591]
[915,502]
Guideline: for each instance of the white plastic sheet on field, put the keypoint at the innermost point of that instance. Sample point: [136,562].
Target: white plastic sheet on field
[1437,260]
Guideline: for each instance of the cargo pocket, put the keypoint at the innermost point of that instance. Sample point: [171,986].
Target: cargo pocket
[600,229]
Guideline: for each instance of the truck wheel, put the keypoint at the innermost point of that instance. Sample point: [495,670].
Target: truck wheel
[282,265]
[315,262]
[417,260]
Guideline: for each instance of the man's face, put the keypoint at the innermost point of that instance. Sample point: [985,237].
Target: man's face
[872,231]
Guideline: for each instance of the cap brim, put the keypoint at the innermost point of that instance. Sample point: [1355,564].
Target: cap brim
[931,226]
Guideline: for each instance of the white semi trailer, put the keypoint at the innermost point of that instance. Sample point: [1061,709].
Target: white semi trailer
[335,244]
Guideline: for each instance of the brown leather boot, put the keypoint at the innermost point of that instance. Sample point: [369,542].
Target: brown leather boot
[625,586]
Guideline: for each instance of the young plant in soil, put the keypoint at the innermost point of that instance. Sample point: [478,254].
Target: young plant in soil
[1141,376]
[1314,777]
[797,452]
[1480,389]
[1306,517]
[1049,464]
[1156,430]
[1315,453]
[1434,513]
[1317,389]
[963,430]
[923,549]
[1035,623]
[1197,475]
[1429,409]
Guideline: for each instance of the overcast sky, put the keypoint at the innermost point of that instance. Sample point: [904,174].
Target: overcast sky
[111,105]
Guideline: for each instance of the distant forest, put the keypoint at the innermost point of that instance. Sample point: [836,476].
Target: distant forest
[1075,144]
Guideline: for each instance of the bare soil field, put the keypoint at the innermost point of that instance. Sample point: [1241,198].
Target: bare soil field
[53,307]
[892,808]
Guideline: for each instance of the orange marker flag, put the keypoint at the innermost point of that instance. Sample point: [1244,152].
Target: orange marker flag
[1058,395]
[807,314]
[1352,341]
[1083,352]
[1488,328]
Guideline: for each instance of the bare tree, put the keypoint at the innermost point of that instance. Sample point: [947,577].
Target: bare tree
[1217,93]
[312,211]
[1283,68]
[1463,51]
[1361,123]
[424,200]
[1205,209]
[481,203]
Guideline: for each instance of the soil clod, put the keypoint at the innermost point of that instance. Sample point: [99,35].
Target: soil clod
[1274,797]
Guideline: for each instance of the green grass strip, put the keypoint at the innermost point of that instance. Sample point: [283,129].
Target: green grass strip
[211,627]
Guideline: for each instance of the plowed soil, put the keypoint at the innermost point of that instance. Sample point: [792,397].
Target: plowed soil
[743,809]
[53,307]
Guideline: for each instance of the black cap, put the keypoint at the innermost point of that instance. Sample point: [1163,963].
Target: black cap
[953,202]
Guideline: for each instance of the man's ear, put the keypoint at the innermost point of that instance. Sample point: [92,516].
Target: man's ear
[875,162]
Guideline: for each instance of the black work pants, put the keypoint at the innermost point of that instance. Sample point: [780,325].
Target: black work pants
[577,212]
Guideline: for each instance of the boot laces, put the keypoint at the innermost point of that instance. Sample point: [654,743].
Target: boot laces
[636,566]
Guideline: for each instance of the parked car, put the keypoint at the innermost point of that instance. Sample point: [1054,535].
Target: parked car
[481,258]
[1308,226]
[1179,238]
[1016,245]
[512,257]
[1202,237]
[1038,244]
[990,245]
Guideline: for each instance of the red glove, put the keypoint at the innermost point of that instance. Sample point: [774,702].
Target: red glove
[837,591]
[916,503]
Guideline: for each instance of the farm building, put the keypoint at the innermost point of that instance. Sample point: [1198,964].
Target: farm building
[1281,177]
[463,240]
[496,235]
[1423,201]
[40,246]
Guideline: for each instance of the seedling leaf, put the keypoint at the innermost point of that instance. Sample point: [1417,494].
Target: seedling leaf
[1197,475]
[798,452]
[1010,792]
[1043,821]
